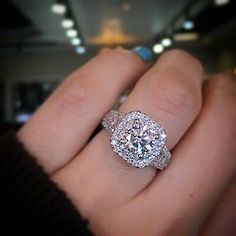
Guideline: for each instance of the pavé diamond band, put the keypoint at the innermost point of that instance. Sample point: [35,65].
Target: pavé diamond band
[138,139]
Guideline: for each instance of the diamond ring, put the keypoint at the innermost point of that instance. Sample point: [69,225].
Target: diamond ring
[138,139]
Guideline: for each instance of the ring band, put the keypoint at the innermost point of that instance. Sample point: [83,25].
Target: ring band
[138,139]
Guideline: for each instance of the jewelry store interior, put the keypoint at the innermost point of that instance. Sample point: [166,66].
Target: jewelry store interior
[42,42]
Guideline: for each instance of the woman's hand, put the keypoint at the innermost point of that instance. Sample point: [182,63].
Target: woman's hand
[117,198]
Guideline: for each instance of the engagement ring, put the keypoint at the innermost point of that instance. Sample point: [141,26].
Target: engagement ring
[138,139]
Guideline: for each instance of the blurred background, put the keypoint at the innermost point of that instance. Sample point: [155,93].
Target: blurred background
[41,42]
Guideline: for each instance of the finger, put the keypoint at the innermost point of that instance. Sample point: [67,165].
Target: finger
[169,92]
[221,220]
[64,123]
[203,163]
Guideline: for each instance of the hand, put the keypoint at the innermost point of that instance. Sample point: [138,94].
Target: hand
[116,198]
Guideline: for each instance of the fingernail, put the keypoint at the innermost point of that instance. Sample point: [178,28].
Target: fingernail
[144,53]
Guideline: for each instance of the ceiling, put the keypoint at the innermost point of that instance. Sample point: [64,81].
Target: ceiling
[31,22]
[143,20]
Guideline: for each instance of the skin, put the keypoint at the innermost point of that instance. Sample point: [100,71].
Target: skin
[193,196]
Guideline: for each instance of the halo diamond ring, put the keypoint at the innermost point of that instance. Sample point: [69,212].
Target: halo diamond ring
[138,139]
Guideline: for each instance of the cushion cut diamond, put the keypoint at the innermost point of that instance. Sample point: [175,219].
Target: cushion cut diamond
[138,139]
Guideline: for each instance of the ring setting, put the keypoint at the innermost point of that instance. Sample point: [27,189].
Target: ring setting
[138,139]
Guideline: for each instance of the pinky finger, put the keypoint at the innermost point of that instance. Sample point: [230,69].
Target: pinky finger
[222,219]
[204,163]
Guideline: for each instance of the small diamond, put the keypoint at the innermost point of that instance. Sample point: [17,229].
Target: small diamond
[163,136]
[162,160]
[113,142]
[136,124]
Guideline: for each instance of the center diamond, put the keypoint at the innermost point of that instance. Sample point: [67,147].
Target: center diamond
[139,139]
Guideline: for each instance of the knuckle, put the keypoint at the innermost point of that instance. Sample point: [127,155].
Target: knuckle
[221,88]
[221,100]
[182,97]
[232,125]
[175,52]
[184,56]
[220,81]
[228,116]
[74,98]
[175,97]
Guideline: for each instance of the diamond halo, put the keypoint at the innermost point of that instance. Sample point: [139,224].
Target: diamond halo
[138,139]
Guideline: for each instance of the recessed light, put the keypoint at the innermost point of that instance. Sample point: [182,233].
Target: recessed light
[71,33]
[76,41]
[80,49]
[58,8]
[221,2]
[158,48]
[166,42]
[188,24]
[67,23]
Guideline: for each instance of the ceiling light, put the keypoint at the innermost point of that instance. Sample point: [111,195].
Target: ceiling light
[221,2]
[80,49]
[186,36]
[158,48]
[71,33]
[188,24]
[166,42]
[58,8]
[67,23]
[76,41]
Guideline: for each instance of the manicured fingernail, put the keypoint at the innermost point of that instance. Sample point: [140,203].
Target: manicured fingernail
[144,53]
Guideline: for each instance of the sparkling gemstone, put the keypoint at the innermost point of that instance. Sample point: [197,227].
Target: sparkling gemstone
[139,139]
[113,142]
[163,136]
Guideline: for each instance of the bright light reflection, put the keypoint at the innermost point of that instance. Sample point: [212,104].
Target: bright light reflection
[58,8]
[71,33]
[221,2]
[158,48]
[80,50]
[67,23]
[166,42]
[75,41]
[188,24]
